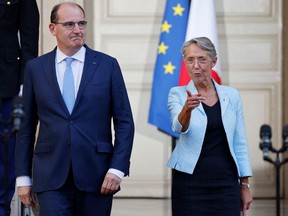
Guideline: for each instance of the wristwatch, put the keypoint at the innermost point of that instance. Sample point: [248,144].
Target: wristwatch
[247,185]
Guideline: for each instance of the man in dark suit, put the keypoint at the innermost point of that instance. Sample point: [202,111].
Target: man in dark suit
[19,28]
[77,167]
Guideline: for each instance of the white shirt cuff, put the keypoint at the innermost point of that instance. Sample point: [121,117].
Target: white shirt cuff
[21,91]
[119,173]
[23,181]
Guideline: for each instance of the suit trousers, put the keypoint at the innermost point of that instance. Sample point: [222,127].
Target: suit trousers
[70,201]
[7,149]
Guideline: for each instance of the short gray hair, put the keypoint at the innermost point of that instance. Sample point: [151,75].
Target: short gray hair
[203,42]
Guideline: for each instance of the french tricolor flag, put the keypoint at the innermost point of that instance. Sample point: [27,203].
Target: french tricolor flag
[202,23]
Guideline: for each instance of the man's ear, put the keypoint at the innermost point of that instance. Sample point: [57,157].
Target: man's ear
[52,28]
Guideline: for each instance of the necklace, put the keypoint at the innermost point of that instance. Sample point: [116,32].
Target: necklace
[207,97]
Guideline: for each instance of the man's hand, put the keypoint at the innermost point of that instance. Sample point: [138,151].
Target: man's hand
[110,184]
[27,196]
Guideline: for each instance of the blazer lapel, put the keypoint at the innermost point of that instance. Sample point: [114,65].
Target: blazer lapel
[89,68]
[223,98]
[49,69]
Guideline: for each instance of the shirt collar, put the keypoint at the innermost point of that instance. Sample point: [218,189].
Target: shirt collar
[80,55]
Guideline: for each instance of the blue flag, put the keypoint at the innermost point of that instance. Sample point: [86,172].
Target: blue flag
[168,62]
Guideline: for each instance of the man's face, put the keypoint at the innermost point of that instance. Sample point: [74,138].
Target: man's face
[69,40]
[198,63]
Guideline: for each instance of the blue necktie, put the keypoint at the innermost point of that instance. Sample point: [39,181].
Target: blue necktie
[68,86]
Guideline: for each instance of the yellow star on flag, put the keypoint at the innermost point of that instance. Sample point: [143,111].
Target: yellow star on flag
[166,27]
[169,68]
[162,48]
[178,10]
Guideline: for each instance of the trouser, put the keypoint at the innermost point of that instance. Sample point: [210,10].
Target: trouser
[70,201]
[7,148]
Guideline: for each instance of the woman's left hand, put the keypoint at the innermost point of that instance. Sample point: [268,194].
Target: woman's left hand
[246,199]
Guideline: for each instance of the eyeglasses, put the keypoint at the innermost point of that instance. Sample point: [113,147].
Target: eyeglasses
[199,60]
[71,25]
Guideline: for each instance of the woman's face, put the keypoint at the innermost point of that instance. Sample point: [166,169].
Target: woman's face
[198,63]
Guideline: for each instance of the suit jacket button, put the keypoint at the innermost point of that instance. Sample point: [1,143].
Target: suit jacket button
[69,143]
[71,122]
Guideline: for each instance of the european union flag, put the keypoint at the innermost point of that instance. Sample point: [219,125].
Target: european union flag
[168,63]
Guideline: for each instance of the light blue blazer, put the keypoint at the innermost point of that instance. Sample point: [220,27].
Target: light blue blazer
[187,151]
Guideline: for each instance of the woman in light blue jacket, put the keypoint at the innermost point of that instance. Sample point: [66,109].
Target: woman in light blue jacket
[210,162]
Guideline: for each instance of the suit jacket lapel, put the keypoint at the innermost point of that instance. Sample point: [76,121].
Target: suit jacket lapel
[90,64]
[50,74]
[223,98]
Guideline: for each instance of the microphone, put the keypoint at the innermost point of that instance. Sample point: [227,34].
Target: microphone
[18,113]
[285,138]
[265,135]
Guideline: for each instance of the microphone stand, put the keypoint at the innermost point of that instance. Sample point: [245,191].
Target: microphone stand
[6,134]
[277,164]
